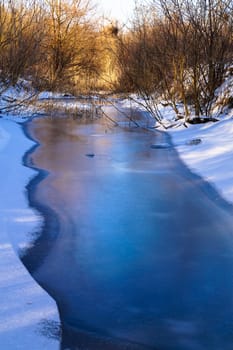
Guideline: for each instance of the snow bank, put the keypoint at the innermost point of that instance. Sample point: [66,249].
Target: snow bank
[213,157]
[27,312]
[47,95]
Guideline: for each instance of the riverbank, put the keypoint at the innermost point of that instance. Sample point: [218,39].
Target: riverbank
[212,158]
[21,297]
[29,317]
[207,149]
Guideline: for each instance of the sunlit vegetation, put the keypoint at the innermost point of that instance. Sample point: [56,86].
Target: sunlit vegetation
[177,50]
[54,43]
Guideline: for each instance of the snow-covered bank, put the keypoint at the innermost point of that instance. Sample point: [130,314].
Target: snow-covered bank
[212,158]
[28,317]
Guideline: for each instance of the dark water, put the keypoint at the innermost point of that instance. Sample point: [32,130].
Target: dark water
[137,251]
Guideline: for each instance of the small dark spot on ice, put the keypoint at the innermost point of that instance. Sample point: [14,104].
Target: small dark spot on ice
[90,155]
[193,142]
[160,146]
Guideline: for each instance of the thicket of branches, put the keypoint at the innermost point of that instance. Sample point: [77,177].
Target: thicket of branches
[178,49]
[54,43]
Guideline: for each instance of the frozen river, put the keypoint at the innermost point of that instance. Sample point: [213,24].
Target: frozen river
[135,249]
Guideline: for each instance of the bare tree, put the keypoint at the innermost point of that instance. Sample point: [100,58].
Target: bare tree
[211,23]
[138,57]
[19,38]
[179,50]
[69,45]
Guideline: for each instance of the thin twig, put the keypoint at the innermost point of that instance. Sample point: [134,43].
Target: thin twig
[125,114]
[106,116]
[18,104]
